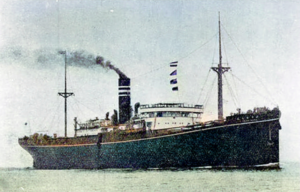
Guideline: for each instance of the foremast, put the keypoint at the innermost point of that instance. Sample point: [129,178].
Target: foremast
[220,70]
[65,94]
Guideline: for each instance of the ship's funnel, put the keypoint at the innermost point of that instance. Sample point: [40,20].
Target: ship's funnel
[124,100]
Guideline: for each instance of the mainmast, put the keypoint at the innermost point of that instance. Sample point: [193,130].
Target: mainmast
[220,70]
[65,94]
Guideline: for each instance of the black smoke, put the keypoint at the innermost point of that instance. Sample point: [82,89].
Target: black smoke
[108,65]
[51,58]
[80,59]
[84,59]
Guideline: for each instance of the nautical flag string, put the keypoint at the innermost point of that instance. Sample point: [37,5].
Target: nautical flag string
[174,73]
[173,64]
[175,89]
[173,81]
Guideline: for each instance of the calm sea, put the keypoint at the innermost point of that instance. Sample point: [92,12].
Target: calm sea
[28,179]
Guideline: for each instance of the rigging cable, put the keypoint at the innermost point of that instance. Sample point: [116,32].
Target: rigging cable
[253,89]
[273,100]
[180,59]
[214,53]
[53,123]
[73,108]
[197,48]
[235,88]
[201,90]
[48,115]
[85,106]
[235,100]
[208,96]
[225,53]
[232,93]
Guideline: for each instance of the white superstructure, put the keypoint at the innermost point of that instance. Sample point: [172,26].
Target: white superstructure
[94,126]
[168,115]
[150,117]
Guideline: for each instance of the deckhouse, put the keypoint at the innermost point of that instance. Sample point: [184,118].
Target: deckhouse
[168,115]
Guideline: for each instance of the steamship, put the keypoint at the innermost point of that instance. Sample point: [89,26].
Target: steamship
[162,135]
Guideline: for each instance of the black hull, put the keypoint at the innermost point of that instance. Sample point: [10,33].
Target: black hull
[240,145]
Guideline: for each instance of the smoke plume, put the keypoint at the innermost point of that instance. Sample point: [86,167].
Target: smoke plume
[107,64]
[81,58]
[50,58]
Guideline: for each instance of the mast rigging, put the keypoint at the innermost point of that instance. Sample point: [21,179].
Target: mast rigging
[65,94]
[220,70]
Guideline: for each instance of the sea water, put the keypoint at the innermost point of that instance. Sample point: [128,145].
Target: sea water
[28,179]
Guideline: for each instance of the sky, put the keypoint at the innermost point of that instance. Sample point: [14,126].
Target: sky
[260,43]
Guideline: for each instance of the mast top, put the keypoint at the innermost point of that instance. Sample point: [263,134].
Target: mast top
[65,94]
[220,70]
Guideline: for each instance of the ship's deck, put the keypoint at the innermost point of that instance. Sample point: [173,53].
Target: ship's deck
[137,134]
